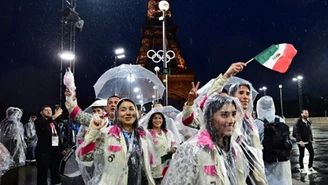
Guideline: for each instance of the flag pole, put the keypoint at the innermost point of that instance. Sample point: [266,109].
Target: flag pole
[250,60]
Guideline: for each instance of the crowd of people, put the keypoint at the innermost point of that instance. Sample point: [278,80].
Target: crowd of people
[214,140]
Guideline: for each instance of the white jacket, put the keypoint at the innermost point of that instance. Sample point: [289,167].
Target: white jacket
[198,161]
[106,151]
[162,144]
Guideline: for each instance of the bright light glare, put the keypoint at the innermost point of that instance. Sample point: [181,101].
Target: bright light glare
[67,55]
[130,78]
[119,51]
[120,56]
[163,5]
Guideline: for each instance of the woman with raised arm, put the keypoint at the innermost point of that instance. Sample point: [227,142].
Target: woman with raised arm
[121,154]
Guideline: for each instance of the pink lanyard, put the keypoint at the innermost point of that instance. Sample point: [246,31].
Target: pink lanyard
[53,129]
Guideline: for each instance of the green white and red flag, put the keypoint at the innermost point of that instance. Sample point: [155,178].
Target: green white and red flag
[277,57]
[166,159]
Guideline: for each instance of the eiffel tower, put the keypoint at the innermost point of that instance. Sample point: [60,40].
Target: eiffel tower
[180,77]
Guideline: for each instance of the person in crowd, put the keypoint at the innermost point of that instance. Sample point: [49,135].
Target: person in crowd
[304,139]
[249,138]
[31,139]
[163,140]
[98,107]
[274,136]
[5,160]
[212,156]
[189,117]
[12,137]
[49,148]
[84,118]
[121,154]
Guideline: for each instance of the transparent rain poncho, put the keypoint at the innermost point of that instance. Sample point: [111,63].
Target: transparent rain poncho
[163,141]
[202,92]
[115,157]
[170,114]
[86,171]
[216,85]
[185,131]
[280,172]
[5,160]
[211,156]
[30,133]
[208,89]
[12,135]
[234,84]
[249,139]
[265,109]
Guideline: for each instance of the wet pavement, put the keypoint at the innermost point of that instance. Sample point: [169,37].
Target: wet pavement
[28,173]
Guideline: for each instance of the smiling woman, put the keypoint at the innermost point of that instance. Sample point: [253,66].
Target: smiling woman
[212,156]
[119,154]
[164,142]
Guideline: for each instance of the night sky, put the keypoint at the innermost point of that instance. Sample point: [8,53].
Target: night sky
[212,35]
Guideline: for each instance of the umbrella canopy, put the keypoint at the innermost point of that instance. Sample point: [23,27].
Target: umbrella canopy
[97,103]
[131,81]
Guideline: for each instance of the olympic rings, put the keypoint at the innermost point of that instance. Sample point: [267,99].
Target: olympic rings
[158,56]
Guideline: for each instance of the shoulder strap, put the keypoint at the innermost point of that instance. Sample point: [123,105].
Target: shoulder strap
[277,120]
[265,121]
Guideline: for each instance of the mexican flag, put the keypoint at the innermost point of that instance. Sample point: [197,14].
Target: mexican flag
[166,161]
[277,57]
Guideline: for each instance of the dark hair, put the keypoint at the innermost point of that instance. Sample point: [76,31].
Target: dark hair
[138,107]
[234,88]
[116,121]
[215,103]
[302,111]
[102,107]
[150,121]
[45,106]
[113,96]
[225,91]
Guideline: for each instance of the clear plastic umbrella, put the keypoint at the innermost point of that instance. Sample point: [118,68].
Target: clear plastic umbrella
[131,81]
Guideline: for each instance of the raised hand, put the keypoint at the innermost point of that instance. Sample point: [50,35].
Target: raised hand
[192,95]
[234,69]
[98,123]
[69,94]
[58,112]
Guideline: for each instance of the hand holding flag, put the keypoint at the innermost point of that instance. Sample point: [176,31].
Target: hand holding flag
[166,161]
